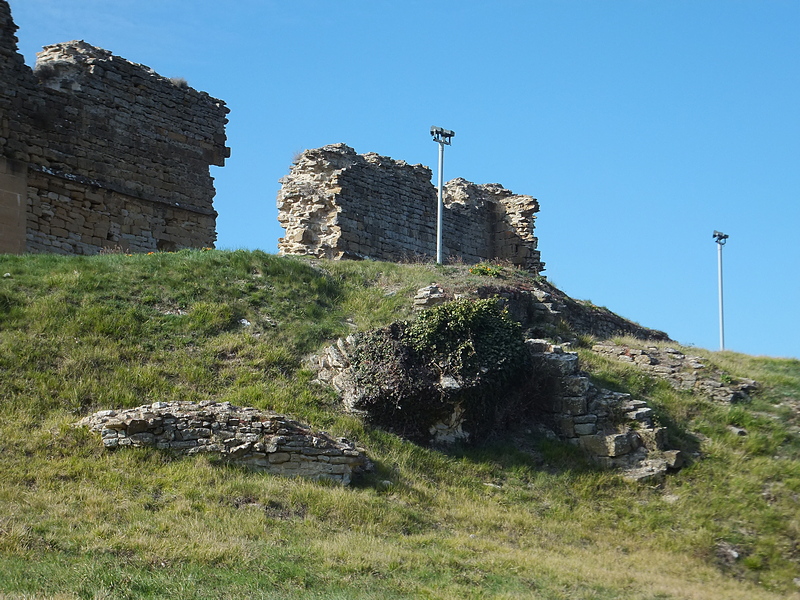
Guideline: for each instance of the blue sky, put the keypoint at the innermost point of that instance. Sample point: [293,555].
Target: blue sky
[641,127]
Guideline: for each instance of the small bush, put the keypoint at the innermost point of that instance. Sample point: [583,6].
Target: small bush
[487,269]
[400,370]
[473,340]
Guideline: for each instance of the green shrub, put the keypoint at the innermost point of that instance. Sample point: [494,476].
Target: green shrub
[473,340]
[475,345]
[487,269]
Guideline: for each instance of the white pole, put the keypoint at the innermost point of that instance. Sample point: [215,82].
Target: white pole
[721,312]
[441,206]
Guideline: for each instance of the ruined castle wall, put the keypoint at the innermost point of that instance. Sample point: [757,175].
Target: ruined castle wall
[13,196]
[338,204]
[13,173]
[115,155]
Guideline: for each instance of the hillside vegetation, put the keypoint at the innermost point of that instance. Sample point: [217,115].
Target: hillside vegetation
[523,517]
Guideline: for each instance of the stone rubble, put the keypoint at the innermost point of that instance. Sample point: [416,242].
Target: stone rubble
[540,307]
[255,439]
[681,371]
[431,295]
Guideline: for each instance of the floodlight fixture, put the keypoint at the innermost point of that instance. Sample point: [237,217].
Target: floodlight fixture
[440,136]
[721,239]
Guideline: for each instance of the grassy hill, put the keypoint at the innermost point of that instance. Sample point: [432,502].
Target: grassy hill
[519,518]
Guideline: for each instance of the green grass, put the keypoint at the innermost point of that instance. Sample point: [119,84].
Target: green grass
[527,518]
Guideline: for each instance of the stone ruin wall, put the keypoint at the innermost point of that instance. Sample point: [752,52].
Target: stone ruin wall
[97,152]
[338,204]
[244,436]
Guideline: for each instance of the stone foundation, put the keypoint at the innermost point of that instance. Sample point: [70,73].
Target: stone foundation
[243,436]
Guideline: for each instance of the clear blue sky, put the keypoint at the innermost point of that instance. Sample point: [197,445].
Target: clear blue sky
[641,126]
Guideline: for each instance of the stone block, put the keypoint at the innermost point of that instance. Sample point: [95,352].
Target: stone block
[654,439]
[563,364]
[143,439]
[585,428]
[612,445]
[618,444]
[574,385]
[594,444]
[642,415]
[576,405]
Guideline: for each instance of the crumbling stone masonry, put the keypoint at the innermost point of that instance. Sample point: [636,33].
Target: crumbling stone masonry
[614,429]
[338,204]
[97,152]
[247,437]
[681,371]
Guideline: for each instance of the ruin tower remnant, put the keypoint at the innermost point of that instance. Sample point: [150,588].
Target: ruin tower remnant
[98,152]
[336,203]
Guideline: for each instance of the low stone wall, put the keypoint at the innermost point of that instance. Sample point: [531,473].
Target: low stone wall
[244,436]
[542,306]
[338,204]
[681,371]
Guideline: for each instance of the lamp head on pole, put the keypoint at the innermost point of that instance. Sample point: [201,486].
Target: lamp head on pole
[720,238]
[442,136]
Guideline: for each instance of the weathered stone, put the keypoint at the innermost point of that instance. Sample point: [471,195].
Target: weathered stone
[643,415]
[113,155]
[143,439]
[338,204]
[137,426]
[585,428]
[594,444]
[244,436]
[654,439]
[574,406]
[279,457]
[564,364]
[575,385]
[607,445]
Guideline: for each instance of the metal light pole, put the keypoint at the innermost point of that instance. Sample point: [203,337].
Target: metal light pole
[721,239]
[441,137]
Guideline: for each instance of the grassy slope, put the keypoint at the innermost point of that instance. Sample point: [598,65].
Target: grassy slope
[81,334]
